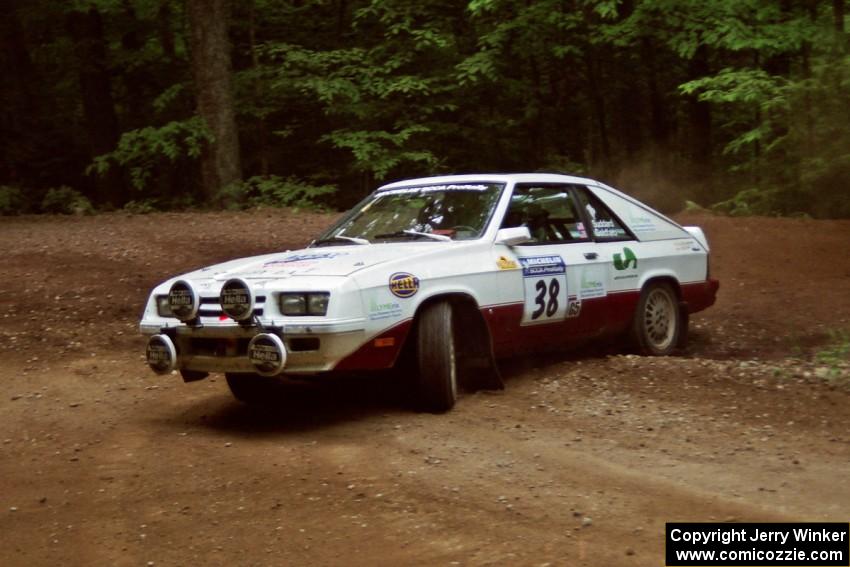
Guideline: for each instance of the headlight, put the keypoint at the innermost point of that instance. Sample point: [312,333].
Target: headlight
[293,304]
[162,306]
[317,303]
[304,303]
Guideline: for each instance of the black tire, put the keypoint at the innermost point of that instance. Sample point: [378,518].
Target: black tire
[436,357]
[657,323]
[251,388]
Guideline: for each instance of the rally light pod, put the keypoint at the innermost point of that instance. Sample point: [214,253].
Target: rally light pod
[161,354]
[237,301]
[267,354]
[184,301]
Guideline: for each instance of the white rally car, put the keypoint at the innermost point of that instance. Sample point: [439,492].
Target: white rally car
[446,274]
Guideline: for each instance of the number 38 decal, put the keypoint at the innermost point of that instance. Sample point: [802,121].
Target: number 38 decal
[545,286]
[550,305]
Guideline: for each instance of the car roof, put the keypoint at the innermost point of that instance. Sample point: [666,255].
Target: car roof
[491,178]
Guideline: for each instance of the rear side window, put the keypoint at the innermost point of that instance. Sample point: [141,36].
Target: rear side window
[549,212]
[605,225]
[643,222]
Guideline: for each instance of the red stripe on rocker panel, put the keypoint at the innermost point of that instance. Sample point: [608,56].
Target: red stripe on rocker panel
[510,337]
[620,310]
[503,321]
[380,352]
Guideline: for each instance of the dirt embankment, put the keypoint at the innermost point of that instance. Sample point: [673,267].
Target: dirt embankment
[579,462]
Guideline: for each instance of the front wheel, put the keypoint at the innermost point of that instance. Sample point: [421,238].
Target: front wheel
[437,358]
[657,323]
[251,388]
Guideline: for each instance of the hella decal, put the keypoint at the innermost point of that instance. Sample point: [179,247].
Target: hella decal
[404,285]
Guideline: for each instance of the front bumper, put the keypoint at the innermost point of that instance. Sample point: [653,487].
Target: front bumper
[220,347]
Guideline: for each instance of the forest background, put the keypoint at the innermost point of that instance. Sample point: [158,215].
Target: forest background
[142,105]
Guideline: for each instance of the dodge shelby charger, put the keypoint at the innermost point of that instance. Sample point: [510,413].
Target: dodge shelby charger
[439,276]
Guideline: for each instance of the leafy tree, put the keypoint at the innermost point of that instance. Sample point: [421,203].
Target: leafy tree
[736,102]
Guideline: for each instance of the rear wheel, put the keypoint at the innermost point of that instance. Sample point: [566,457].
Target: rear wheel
[437,359]
[251,388]
[657,324]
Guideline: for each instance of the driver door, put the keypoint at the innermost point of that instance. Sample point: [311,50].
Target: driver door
[553,270]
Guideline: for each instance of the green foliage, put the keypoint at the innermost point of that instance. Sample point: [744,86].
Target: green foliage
[738,101]
[380,152]
[141,207]
[142,150]
[11,200]
[787,133]
[274,191]
[836,355]
[754,86]
[168,97]
[66,201]
[837,351]
[693,207]
[749,202]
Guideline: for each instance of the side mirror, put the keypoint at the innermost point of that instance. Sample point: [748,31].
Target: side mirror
[513,236]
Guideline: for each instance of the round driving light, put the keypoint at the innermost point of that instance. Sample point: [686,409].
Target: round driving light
[161,354]
[183,300]
[267,353]
[236,299]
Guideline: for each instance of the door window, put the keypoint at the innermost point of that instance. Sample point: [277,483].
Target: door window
[549,212]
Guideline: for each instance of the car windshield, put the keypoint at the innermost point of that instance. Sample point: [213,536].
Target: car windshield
[432,212]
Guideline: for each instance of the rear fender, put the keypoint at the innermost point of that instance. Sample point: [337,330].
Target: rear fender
[697,233]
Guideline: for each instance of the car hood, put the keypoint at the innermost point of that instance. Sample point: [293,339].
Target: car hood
[323,261]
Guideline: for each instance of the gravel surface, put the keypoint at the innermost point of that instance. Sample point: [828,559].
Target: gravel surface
[580,461]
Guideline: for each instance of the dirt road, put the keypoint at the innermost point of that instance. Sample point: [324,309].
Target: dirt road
[579,462]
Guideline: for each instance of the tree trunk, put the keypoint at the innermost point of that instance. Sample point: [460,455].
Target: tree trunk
[163,24]
[20,110]
[629,103]
[597,102]
[657,110]
[211,73]
[700,113]
[842,42]
[86,29]
[262,128]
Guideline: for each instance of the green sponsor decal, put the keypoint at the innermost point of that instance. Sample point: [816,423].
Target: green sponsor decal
[383,310]
[589,283]
[630,259]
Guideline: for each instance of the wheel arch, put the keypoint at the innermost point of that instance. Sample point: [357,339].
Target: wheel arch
[463,301]
[663,277]
[476,340]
